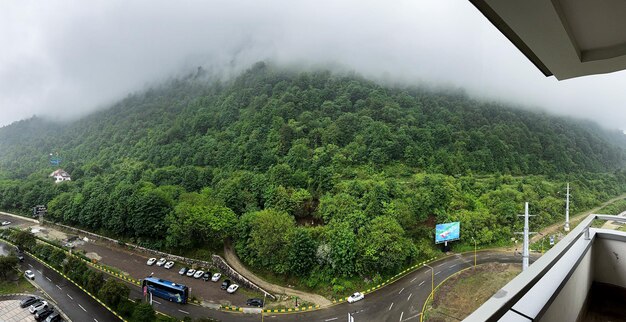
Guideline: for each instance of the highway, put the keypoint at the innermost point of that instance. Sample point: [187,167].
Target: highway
[75,303]
[400,301]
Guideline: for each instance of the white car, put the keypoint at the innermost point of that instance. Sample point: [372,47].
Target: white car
[190,272]
[198,274]
[169,264]
[232,288]
[29,274]
[151,261]
[355,297]
[35,307]
[161,262]
[216,277]
[6,223]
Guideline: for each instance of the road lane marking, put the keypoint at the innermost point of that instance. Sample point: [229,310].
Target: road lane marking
[413,317]
[390,306]
[48,278]
[452,266]
[82,307]
[409,296]
[401,315]
[179,310]
[437,272]
[413,280]
[422,283]
[401,290]
[31,266]
[70,296]
[438,265]
[155,301]
[95,319]
[40,272]
[57,286]
[333,319]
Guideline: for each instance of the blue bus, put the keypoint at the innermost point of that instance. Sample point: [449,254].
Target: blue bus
[165,289]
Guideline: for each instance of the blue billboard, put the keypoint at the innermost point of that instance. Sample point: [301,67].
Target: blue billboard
[447,232]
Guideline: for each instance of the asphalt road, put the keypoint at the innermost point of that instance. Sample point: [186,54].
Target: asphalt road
[400,301]
[75,303]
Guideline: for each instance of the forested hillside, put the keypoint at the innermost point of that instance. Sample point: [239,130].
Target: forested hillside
[311,174]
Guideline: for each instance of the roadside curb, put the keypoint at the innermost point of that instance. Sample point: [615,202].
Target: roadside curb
[69,279]
[430,296]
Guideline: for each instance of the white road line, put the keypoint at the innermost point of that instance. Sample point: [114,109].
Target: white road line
[31,266]
[413,280]
[401,315]
[70,296]
[452,266]
[95,319]
[57,286]
[333,319]
[179,310]
[401,290]
[82,307]
[409,296]
[422,283]
[155,301]
[438,265]
[40,272]
[437,272]
[48,278]
[390,306]
[413,317]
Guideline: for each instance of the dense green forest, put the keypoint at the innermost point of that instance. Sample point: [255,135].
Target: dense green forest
[310,174]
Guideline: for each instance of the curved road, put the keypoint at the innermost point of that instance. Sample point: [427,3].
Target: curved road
[400,301]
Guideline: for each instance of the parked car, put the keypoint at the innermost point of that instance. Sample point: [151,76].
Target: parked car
[20,257]
[225,284]
[232,288]
[190,272]
[206,276]
[6,223]
[35,307]
[355,297]
[254,302]
[29,301]
[169,264]
[216,277]
[161,262]
[43,314]
[183,271]
[151,261]
[198,274]
[54,317]
[29,274]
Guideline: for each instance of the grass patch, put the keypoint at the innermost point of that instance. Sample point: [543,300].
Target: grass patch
[21,285]
[464,293]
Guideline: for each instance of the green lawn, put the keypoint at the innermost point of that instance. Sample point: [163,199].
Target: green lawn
[19,286]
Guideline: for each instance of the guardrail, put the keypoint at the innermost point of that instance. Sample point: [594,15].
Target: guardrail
[496,307]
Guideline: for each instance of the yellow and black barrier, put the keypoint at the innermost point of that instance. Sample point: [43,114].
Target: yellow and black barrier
[297,309]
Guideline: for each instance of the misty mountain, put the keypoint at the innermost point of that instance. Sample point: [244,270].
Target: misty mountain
[268,116]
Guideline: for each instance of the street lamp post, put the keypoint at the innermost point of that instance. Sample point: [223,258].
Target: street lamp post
[263,306]
[474,251]
[432,284]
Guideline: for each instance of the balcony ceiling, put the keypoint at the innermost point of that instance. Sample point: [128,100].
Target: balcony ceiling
[564,38]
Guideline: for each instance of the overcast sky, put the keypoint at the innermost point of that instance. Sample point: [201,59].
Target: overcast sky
[67,58]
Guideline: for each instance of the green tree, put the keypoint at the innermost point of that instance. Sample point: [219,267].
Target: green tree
[8,266]
[144,313]
[302,253]
[24,239]
[113,292]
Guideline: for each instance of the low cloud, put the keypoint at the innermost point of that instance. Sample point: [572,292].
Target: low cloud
[64,59]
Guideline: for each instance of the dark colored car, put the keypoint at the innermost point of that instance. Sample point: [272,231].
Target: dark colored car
[206,276]
[225,284]
[54,317]
[29,301]
[43,314]
[254,302]
[183,271]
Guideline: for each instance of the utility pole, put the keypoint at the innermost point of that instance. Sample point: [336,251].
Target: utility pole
[567,209]
[525,252]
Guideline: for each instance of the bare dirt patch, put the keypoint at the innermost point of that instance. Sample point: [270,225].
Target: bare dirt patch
[464,293]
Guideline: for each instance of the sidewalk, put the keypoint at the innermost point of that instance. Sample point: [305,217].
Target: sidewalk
[233,260]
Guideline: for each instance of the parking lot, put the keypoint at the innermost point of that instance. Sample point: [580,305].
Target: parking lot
[135,265]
